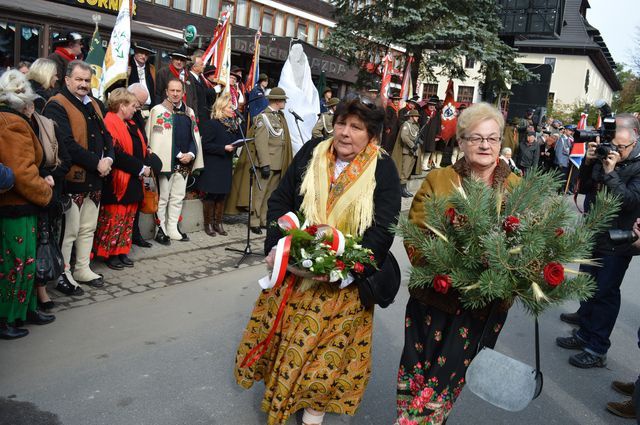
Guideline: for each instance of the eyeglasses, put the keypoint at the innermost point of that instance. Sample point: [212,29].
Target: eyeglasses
[622,147]
[476,140]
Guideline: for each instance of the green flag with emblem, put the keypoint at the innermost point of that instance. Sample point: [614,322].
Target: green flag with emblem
[95,58]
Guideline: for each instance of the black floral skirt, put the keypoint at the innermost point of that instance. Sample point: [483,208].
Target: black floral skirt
[438,348]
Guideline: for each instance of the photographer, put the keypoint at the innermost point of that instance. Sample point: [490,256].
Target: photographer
[616,167]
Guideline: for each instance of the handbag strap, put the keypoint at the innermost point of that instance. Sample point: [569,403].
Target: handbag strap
[490,317]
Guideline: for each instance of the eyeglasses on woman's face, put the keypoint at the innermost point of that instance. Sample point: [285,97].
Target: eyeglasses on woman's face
[476,139]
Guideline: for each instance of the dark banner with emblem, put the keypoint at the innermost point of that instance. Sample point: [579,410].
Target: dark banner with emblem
[105,6]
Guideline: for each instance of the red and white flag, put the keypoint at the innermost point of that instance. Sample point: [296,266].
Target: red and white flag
[449,116]
[218,53]
[582,124]
[599,122]
[387,70]
[406,92]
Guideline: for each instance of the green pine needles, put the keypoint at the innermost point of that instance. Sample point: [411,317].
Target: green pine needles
[490,244]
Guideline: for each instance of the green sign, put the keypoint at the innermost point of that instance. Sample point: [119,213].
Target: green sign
[189,33]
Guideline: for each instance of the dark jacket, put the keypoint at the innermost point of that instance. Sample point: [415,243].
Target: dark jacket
[131,164]
[149,76]
[391,127]
[99,143]
[623,181]
[6,178]
[43,95]
[162,79]
[431,132]
[196,91]
[257,101]
[216,176]
[386,201]
[528,155]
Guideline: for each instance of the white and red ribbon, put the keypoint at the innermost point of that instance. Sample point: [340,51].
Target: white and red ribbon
[290,221]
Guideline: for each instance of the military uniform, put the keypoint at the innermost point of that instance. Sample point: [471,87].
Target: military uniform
[408,135]
[273,150]
[324,126]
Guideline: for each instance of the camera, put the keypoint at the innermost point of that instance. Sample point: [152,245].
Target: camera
[606,133]
[604,149]
[619,236]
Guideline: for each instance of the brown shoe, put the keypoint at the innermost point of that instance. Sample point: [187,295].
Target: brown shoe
[208,214]
[626,409]
[624,388]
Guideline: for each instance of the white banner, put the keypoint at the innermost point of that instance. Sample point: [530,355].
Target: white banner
[296,81]
[116,59]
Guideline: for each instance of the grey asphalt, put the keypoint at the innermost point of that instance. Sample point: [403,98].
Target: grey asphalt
[166,356]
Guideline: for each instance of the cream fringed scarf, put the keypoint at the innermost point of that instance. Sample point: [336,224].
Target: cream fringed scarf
[347,204]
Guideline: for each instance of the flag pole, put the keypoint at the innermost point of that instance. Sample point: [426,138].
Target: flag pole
[566,186]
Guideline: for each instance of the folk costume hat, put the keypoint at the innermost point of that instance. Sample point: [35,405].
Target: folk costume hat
[236,71]
[208,70]
[433,100]
[67,38]
[141,47]
[277,93]
[179,54]
[332,102]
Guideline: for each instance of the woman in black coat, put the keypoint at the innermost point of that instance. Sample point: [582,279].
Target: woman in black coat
[217,136]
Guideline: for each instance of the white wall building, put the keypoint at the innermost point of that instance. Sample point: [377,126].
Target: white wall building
[583,69]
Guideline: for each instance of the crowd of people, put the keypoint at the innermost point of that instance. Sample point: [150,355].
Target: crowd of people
[77,165]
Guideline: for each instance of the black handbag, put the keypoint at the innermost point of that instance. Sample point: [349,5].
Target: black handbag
[49,261]
[381,287]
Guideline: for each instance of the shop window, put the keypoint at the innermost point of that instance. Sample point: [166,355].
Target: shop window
[162,2]
[291,26]
[267,22]
[213,8]
[465,94]
[180,4]
[311,35]
[7,41]
[30,42]
[242,7]
[279,27]
[429,90]
[254,18]
[196,6]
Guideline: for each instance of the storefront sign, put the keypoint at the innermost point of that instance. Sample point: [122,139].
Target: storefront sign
[106,6]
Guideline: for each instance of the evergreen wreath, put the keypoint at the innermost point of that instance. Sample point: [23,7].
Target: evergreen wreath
[490,244]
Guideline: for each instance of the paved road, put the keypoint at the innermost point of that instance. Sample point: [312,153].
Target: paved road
[165,357]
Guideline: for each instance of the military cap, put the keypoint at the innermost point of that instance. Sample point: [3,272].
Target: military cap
[531,133]
[571,127]
[326,89]
[277,93]
[332,102]
[514,121]
[413,113]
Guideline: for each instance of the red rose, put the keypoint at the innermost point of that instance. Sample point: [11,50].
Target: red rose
[340,265]
[159,121]
[559,231]
[372,258]
[553,274]
[167,125]
[442,283]
[450,213]
[166,114]
[179,219]
[158,221]
[511,224]
[312,230]
[358,267]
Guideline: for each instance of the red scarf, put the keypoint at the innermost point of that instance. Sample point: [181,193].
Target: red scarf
[65,54]
[122,139]
[175,72]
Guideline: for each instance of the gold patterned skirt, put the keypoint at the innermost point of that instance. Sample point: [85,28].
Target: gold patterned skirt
[319,358]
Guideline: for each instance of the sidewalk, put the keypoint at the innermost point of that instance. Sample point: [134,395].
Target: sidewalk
[161,266]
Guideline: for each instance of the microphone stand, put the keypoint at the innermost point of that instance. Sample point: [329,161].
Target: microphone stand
[302,141]
[252,173]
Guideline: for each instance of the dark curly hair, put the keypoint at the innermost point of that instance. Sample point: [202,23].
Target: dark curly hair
[364,109]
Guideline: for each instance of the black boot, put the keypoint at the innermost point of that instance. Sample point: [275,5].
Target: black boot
[63,285]
[9,331]
[162,238]
[405,193]
[39,318]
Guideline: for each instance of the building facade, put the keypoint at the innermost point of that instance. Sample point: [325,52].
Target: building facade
[583,69]
[28,28]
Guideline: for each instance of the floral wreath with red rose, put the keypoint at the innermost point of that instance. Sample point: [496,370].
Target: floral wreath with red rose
[517,244]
